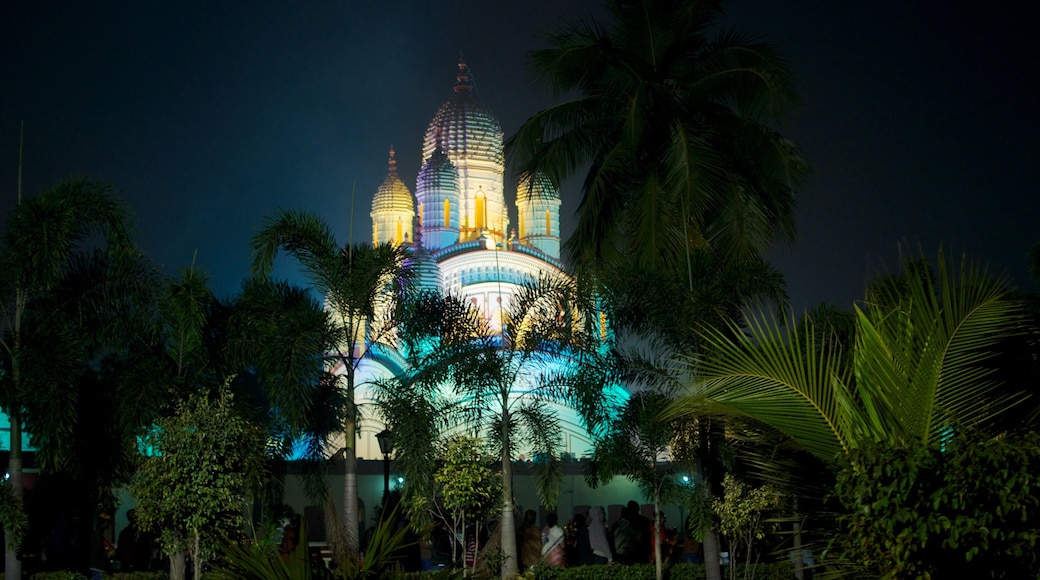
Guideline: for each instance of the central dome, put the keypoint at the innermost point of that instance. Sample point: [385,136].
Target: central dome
[471,137]
[465,127]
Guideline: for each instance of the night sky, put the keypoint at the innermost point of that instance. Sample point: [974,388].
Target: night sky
[921,122]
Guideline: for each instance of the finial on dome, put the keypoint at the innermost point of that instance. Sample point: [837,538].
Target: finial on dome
[464,80]
[392,163]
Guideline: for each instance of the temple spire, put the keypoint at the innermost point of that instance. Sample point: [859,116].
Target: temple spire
[392,163]
[464,79]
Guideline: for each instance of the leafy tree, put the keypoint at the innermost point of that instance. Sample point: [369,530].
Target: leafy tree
[70,233]
[466,489]
[362,286]
[742,513]
[499,384]
[964,509]
[675,130]
[194,488]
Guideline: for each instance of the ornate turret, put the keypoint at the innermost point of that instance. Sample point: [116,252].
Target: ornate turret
[471,137]
[538,213]
[437,189]
[427,274]
[393,208]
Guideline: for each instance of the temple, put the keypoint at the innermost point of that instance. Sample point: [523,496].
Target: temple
[462,239]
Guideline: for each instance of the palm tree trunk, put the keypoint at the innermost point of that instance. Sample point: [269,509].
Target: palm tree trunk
[350,491]
[712,569]
[656,530]
[508,523]
[12,565]
[799,572]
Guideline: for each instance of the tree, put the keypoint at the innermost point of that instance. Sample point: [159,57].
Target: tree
[277,337]
[637,443]
[194,489]
[362,286]
[742,511]
[466,489]
[65,231]
[661,315]
[674,129]
[917,365]
[500,384]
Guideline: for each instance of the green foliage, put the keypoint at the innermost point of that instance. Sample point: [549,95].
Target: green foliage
[62,575]
[465,482]
[742,515]
[671,132]
[362,285]
[646,572]
[262,561]
[194,489]
[502,383]
[12,516]
[917,510]
[919,358]
[634,442]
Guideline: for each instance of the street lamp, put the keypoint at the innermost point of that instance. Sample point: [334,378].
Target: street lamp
[386,445]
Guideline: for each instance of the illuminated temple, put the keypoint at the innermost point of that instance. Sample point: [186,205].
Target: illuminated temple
[461,234]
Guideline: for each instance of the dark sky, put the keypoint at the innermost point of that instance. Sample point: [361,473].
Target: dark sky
[921,121]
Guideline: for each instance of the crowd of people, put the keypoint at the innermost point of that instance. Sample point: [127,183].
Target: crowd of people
[588,540]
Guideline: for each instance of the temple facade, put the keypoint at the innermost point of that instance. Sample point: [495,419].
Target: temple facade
[458,226]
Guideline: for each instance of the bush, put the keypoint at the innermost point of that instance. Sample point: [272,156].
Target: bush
[646,572]
[62,575]
[969,510]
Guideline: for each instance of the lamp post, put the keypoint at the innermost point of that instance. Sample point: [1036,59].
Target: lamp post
[386,445]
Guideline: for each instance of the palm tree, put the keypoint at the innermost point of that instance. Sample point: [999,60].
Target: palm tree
[633,444]
[674,129]
[499,384]
[67,229]
[362,286]
[663,315]
[918,363]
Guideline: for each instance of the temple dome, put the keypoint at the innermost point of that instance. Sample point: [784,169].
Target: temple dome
[426,272]
[471,137]
[538,213]
[393,195]
[536,188]
[393,209]
[437,190]
[464,126]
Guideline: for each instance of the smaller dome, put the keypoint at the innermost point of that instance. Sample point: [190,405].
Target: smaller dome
[422,263]
[393,195]
[536,188]
[438,173]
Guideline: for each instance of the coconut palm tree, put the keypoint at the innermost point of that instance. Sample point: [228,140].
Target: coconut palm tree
[918,364]
[497,383]
[74,231]
[673,131]
[362,286]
